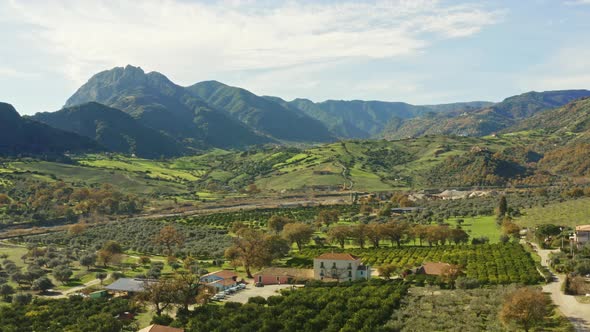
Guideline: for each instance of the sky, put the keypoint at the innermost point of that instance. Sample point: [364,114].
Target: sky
[416,51]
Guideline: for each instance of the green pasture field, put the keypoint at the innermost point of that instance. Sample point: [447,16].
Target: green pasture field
[479,226]
[127,181]
[568,213]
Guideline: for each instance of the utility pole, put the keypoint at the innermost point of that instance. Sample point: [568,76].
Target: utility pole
[561,234]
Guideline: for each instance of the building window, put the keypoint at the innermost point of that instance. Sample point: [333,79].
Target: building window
[322,265]
[350,266]
[334,265]
[259,278]
[349,274]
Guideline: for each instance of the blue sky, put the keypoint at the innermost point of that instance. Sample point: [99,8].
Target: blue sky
[420,51]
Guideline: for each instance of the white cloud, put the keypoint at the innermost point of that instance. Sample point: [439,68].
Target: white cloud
[197,40]
[567,69]
[578,2]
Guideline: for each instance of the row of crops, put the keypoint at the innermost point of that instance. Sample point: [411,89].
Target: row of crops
[489,263]
[258,218]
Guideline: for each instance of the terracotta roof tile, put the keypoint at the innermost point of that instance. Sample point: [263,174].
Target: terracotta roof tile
[160,328]
[224,282]
[225,274]
[435,268]
[337,256]
[284,271]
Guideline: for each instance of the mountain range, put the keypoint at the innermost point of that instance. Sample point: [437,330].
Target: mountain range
[129,111]
[21,136]
[483,121]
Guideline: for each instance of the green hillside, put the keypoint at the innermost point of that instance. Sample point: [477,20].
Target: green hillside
[21,136]
[483,121]
[114,129]
[359,165]
[261,114]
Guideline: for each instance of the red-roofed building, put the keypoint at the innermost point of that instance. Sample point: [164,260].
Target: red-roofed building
[283,275]
[339,267]
[160,328]
[221,280]
[434,269]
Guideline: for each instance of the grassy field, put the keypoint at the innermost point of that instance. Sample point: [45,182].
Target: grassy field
[151,168]
[480,226]
[129,181]
[568,213]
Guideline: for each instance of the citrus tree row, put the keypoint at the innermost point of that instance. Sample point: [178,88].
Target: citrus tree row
[489,263]
[364,306]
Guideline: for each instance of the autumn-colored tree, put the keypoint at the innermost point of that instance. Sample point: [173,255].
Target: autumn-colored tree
[339,234]
[510,228]
[77,229]
[169,237]
[419,232]
[437,234]
[359,234]
[297,233]
[160,294]
[110,253]
[396,231]
[236,226]
[254,249]
[252,189]
[187,287]
[4,199]
[328,217]
[276,223]
[375,233]
[525,308]
[386,270]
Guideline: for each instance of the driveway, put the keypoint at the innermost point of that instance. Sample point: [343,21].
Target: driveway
[251,291]
[578,313]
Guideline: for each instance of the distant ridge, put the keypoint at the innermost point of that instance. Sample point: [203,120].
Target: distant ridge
[114,129]
[22,136]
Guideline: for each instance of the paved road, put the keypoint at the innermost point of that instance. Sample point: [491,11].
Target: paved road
[251,291]
[578,313]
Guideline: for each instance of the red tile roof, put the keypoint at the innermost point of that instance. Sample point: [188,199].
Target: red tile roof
[337,256]
[225,274]
[224,282]
[287,272]
[435,268]
[160,328]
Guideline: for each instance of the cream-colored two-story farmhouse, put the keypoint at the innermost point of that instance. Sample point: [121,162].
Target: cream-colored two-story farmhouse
[339,267]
